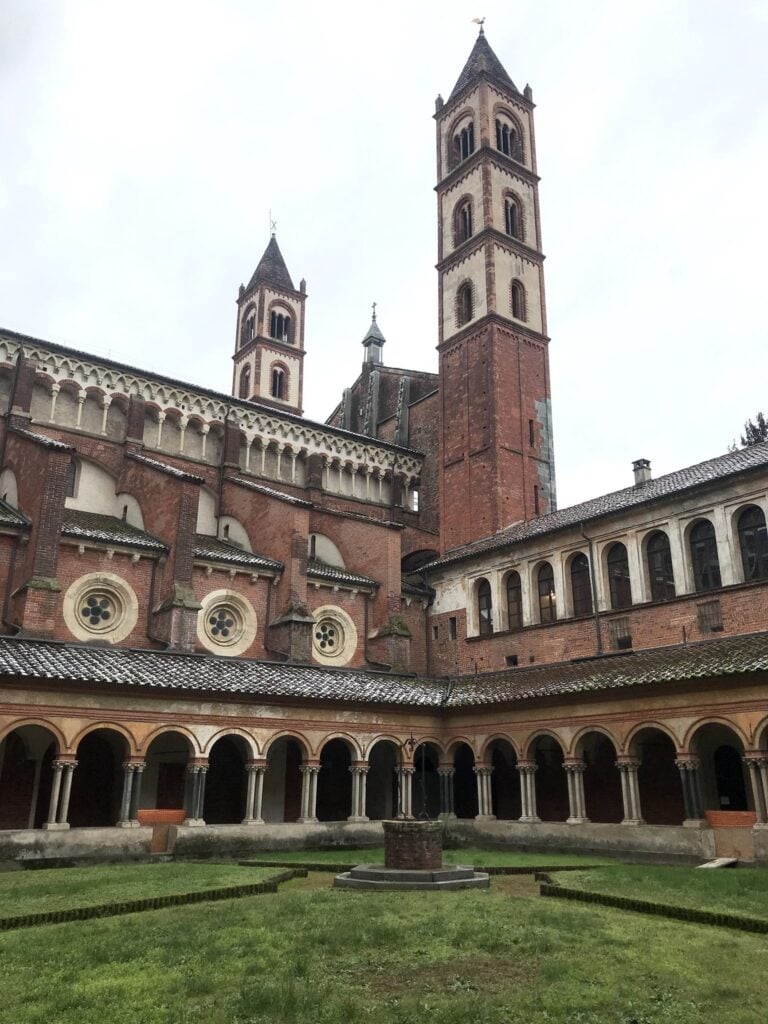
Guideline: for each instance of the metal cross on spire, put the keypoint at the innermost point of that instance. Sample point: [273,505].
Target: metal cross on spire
[373,310]
[272,225]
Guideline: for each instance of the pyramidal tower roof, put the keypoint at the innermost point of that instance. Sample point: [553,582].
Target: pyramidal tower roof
[271,269]
[374,333]
[482,59]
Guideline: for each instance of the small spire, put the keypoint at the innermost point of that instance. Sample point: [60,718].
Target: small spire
[374,339]
[373,311]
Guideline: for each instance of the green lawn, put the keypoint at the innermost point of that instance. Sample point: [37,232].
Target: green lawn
[30,892]
[729,891]
[313,955]
[375,855]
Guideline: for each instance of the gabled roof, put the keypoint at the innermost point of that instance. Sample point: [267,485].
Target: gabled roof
[271,269]
[108,530]
[482,59]
[754,457]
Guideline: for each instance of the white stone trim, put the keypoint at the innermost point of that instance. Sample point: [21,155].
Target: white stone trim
[246,623]
[348,630]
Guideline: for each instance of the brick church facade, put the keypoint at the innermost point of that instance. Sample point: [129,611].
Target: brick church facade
[220,615]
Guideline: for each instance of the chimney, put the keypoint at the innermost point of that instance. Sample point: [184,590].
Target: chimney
[642,470]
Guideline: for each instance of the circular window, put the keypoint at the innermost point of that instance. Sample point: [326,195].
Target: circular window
[334,636]
[100,605]
[226,623]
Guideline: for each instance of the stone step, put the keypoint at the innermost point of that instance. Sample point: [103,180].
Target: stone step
[377,872]
[720,862]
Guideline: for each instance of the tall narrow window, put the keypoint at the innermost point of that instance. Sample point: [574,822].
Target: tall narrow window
[546,590]
[513,221]
[618,577]
[753,542]
[531,434]
[706,564]
[581,585]
[484,607]
[464,142]
[660,570]
[278,382]
[464,304]
[69,486]
[514,601]
[517,293]
[280,326]
[463,226]
[508,140]
[245,382]
[248,332]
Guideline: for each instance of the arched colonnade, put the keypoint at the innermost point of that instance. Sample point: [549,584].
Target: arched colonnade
[104,779]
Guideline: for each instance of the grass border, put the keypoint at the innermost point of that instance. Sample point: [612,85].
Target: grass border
[499,869]
[180,899]
[676,913]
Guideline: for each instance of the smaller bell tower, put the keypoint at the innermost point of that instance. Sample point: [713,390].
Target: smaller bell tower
[269,343]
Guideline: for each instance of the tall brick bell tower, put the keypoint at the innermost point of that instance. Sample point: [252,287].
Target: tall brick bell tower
[497,462]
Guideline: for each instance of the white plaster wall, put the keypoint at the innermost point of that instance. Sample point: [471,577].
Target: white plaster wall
[326,550]
[133,514]
[236,532]
[292,364]
[471,185]
[508,267]
[94,490]
[8,489]
[41,403]
[473,269]
[206,514]
[503,181]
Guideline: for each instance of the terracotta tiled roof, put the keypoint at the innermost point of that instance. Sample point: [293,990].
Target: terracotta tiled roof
[729,656]
[190,673]
[108,530]
[164,467]
[482,59]
[703,473]
[271,269]
[210,549]
[322,571]
[10,516]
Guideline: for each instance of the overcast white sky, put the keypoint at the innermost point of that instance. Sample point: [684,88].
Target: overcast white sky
[144,144]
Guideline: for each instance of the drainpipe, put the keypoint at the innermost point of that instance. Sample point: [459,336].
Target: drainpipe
[151,605]
[592,580]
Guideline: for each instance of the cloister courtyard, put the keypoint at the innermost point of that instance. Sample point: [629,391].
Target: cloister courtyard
[309,953]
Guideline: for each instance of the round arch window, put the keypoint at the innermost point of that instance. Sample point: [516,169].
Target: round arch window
[334,636]
[226,623]
[100,605]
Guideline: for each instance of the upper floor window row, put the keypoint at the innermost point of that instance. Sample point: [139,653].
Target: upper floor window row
[752,536]
[462,143]
[280,326]
[462,222]
[508,139]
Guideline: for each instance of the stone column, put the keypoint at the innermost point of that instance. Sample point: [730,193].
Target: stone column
[255,771]
[757,765]
[527,770]
[359,772]
[309,773]
[405,792]
[484,801]
[688,766]
[131,791]
[196,793]
[133,809]
[53,807]
[66,790]
[446,776]
[574,770]
[630,791]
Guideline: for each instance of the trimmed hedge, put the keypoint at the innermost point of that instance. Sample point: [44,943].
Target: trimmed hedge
[228,892]
[744,924]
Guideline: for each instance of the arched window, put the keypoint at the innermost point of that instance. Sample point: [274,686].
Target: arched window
[753,543]
[581,585]
[463,222]
[513,218]
[248,331]
[706,564]
[484,607]
[514,601]
[660,567]
[508,139]
[279,382]
[517,300]
[280,326]
[245,382]
[618,577]
[464,304]
[546,587]
[464,142]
